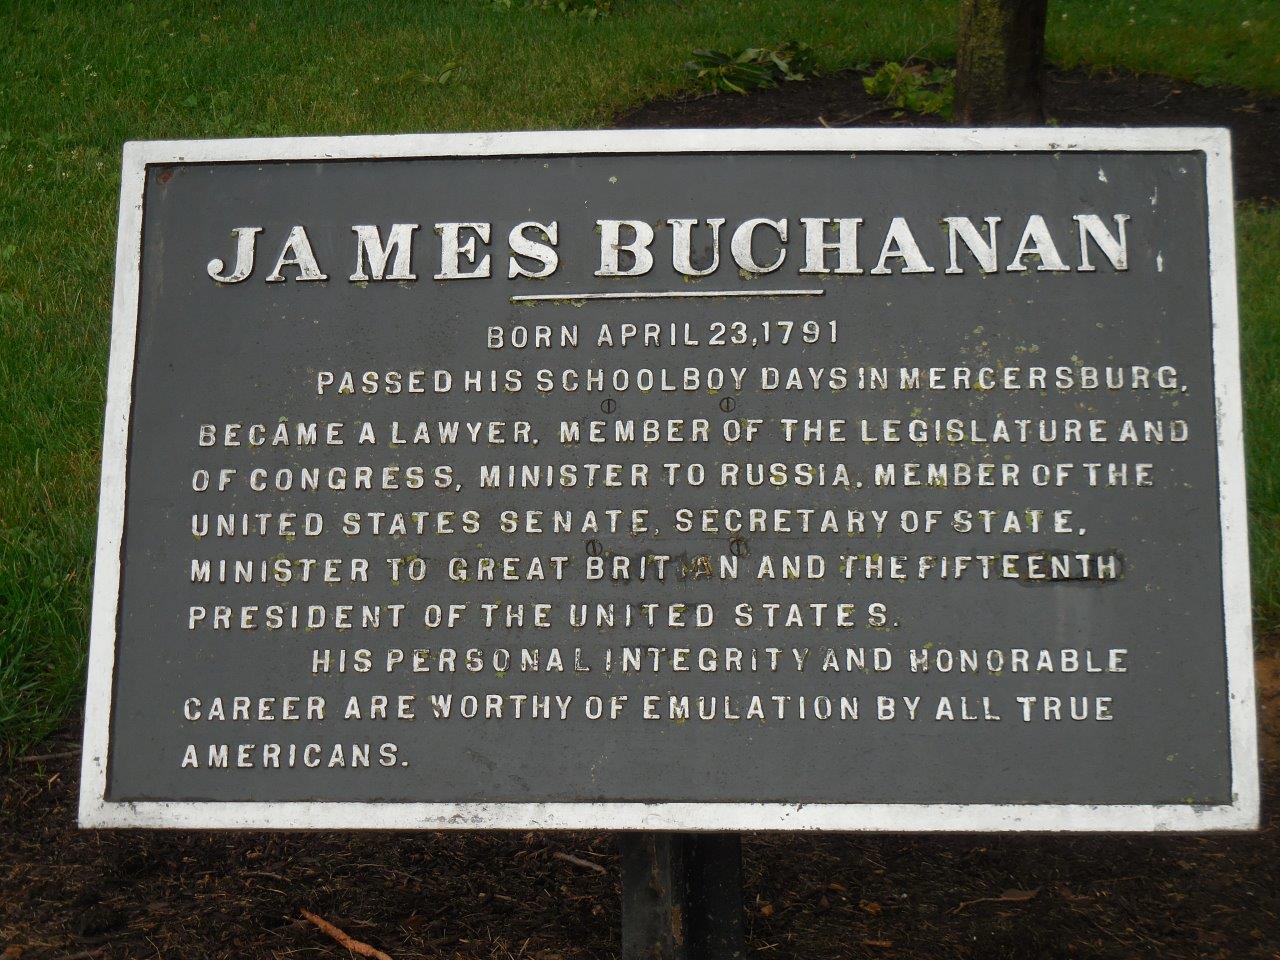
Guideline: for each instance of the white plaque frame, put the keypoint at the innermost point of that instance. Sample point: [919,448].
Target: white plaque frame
[1241,814]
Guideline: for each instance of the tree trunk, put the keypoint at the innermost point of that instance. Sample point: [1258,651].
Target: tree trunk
[1000,65]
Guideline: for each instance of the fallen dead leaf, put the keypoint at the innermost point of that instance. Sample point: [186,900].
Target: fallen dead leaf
[1006,896]
[1018,896]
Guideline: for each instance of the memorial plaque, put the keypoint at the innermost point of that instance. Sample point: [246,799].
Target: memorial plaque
[884,480]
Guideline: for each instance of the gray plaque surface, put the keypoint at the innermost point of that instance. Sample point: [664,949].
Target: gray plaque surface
[941,529]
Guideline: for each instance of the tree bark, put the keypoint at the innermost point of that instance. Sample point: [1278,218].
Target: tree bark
[1000,63]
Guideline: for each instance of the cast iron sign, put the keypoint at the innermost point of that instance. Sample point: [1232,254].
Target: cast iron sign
[691,480]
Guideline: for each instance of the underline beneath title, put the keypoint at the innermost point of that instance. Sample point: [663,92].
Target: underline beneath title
[665,295]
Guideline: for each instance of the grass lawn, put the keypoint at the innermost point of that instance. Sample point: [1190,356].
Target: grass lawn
[80,79]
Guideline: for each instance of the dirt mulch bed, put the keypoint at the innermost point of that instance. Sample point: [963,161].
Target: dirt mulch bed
[1074,98]
[69,894]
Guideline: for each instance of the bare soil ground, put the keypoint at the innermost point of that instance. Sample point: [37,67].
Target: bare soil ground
[66,893]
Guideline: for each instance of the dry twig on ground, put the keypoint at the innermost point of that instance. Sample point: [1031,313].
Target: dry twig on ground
[41,757]
[355,946]
[578,861]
